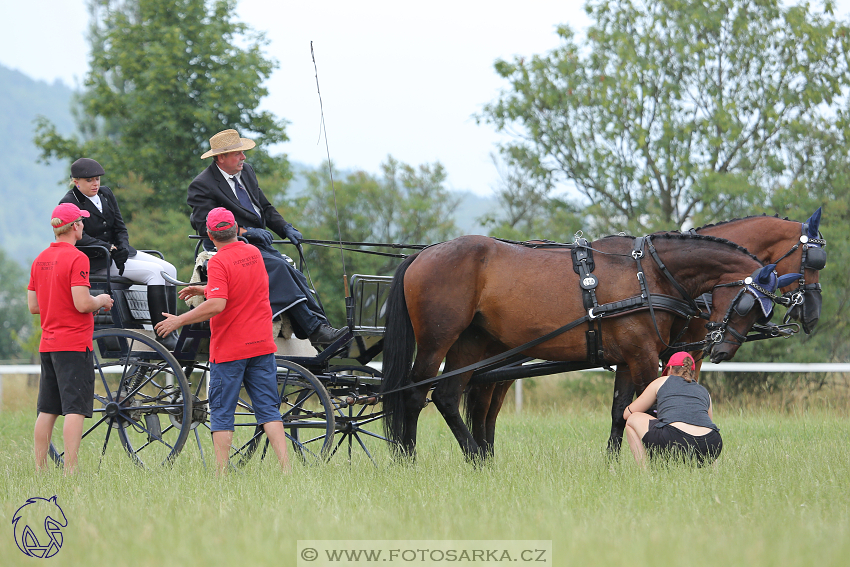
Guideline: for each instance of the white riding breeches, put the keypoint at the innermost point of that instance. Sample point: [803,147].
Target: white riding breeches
[144,269]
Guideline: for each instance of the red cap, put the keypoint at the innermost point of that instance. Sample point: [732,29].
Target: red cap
[678,359]
[68,212]
[220,219]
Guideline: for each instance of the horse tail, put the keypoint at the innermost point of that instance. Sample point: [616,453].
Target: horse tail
[399,346]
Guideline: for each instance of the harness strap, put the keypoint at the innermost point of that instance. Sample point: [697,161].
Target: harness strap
[658,301]
[494,359]
[583,265]
[669,276]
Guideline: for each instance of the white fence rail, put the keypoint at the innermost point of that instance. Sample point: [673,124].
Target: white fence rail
[707,367]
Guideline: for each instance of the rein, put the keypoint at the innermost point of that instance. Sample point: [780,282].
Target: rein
[646,300]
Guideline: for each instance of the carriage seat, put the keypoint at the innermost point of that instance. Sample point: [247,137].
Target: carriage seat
[129,310]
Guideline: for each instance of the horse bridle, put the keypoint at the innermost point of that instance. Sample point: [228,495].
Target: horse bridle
[807,261]
[717,331]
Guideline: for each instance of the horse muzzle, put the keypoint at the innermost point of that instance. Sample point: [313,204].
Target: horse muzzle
[717,355]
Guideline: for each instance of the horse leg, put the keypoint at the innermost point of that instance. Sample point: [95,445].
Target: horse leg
[424,367]
[468,349]
[477,404]
[500,392]
[624,392]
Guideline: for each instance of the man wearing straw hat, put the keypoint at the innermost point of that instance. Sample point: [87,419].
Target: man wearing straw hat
[231,183]
[58,292]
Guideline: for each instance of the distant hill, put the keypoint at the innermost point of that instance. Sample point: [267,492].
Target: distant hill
[29,190]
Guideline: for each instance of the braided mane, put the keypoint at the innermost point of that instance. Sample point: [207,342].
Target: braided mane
[705,237]
[776,216]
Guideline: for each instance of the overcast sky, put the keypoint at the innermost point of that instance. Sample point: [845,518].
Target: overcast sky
[397,77]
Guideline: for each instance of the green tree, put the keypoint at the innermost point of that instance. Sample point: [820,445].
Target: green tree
[671,111]
[14,314]
[528,210]
[404,205]
[165,75]
[820,166]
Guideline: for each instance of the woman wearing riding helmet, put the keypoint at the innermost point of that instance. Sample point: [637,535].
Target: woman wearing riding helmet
[684,426]
[104,226]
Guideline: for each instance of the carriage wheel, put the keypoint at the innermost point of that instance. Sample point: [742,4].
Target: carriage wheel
[357,407]
[140,400]
[308,418]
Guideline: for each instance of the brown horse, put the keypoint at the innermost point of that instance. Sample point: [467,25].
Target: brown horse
[474,296]
[771,239]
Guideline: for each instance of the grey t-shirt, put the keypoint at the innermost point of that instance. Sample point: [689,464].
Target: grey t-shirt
[680,400]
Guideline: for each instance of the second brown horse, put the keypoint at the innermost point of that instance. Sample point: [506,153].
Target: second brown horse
[474,297]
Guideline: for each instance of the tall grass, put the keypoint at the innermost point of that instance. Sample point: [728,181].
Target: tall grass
[778,495]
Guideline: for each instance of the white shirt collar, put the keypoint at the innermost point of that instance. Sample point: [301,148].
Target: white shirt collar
[228,176]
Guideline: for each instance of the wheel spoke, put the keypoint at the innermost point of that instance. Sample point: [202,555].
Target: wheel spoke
[106,441]
[370,434]
[93,427]
[365,450]
[200,448]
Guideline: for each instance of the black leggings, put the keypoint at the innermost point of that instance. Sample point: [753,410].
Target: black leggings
[670,440]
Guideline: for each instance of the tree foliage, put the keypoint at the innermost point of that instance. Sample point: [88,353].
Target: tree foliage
[165,75]
[528,210]
[14,314]
[403,205]
[671,110]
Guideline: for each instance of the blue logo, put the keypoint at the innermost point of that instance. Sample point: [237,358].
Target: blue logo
[38,527]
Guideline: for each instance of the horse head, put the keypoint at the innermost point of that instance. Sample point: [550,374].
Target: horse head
[38,527]
[806,300]
[748,301]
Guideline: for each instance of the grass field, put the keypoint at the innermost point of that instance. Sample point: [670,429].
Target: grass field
[779,495]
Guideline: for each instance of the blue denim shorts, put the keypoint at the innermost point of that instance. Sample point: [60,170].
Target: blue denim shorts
[259,375]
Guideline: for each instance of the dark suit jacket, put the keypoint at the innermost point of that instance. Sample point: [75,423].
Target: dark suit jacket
[210,190]
[103,228]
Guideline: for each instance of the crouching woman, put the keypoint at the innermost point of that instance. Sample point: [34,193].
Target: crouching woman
[684,427]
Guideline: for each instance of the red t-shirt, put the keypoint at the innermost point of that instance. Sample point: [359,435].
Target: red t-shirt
[54,272]
[244,329]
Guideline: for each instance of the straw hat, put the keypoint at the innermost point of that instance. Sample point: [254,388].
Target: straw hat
[228,141]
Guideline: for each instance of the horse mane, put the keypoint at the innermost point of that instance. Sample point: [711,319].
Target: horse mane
[720,223]
[707,238]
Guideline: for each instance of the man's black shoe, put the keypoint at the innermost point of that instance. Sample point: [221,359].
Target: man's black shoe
[325,334]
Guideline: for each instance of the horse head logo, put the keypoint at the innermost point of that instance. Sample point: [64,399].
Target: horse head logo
[38,527]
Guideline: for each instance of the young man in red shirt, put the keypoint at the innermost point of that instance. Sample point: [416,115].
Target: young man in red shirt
[59,292]
[242,344]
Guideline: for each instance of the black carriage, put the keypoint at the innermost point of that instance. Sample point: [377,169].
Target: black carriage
[152,400]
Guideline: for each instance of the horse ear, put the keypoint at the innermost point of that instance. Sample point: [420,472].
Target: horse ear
[765,273]
[786,279]
[814,223]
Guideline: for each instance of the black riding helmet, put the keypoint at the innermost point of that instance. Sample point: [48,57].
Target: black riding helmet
[84,168]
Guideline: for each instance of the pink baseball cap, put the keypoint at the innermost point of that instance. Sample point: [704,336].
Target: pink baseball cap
[68,212]
[220,219]
[678,359]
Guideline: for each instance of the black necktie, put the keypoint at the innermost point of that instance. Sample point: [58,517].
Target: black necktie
[242,195]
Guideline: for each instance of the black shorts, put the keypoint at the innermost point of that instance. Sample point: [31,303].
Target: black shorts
[67,383]
[672,441]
